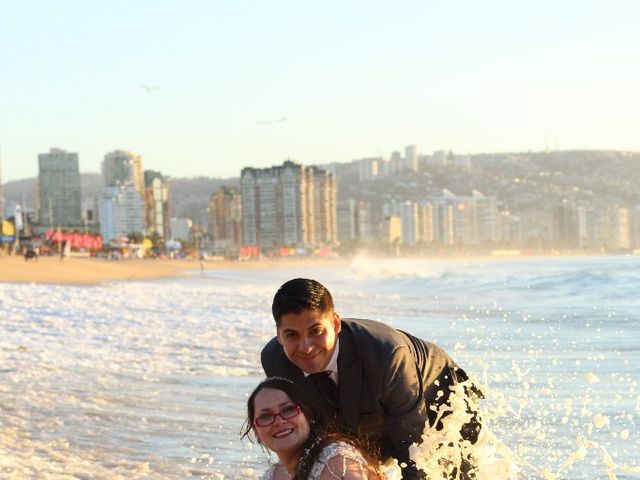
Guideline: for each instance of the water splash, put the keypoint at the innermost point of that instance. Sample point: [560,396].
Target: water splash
[443,454]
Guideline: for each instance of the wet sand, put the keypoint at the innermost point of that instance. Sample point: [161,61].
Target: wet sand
[88,271]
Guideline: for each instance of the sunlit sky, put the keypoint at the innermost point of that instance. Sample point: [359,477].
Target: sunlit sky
[352,78]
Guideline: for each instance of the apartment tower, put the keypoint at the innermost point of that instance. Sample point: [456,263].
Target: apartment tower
[60,203]
[225,220]
[123,168]
[156,205]
[288,206]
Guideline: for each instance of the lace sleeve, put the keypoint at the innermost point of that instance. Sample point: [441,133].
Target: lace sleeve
[269,473]
[338,459]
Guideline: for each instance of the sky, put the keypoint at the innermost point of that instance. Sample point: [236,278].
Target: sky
[251,83]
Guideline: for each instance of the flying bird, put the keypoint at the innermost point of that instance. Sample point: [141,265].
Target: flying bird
[149,88]
[271,122]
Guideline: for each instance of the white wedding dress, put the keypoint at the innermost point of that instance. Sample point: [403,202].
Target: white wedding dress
[348,455]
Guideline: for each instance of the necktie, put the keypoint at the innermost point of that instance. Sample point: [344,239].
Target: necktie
[327,386]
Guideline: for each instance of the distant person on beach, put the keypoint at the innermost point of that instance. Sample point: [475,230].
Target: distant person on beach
[30,253]
[374,380]
[282,422]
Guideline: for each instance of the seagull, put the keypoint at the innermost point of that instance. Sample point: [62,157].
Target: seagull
[271,122]
[149,88]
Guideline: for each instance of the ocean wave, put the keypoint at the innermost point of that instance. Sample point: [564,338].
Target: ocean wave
[370,267]
[150,379]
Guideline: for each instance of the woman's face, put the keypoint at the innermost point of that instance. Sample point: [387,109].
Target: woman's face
[285,437]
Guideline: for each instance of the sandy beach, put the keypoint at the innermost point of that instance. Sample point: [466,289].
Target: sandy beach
[88,271]
[80,271]
[91,271]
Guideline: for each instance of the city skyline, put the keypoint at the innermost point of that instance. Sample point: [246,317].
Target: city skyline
[563,200]
[210,90]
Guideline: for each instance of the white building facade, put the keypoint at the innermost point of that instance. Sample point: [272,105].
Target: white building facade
[121,212]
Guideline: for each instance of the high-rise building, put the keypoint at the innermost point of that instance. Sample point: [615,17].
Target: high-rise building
[443,223]
[487,222]
[510,229]
[426,232]
[120,212]
[564,225]
[384,166]
[589,228]
[409,215]
[443,226]
[123,168]
[288,206]
[604,227]
[368,169]
[181,228]
[354,221]
[392,230]
[634,226]
[90,218]
[395,162]
[324,207]
[156,205]
[364,222]
[474,219]
[411,158]
[618,224]
[225,220]
[465,220]
[60,203]
[347,220]
[439,158]
[407,212]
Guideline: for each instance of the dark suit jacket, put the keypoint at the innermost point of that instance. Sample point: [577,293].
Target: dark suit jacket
[387,382]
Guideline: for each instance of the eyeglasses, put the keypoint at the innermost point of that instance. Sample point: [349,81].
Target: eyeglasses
[286,413]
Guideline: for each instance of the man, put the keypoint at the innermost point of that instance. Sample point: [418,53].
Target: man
[373,379]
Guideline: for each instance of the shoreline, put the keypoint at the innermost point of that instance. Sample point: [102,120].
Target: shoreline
[95,271]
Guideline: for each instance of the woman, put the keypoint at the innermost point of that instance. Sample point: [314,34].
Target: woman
[284,424]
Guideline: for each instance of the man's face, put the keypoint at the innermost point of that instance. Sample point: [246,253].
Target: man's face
[308,338]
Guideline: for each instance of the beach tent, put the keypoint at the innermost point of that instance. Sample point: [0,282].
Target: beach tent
[76,240]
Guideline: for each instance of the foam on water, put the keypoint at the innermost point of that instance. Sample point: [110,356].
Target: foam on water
[149,380]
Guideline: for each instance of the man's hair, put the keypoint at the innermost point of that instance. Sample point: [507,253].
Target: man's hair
[301,294]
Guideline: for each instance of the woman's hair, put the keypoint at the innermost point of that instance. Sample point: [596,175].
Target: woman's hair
[322,437]
[277,383]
